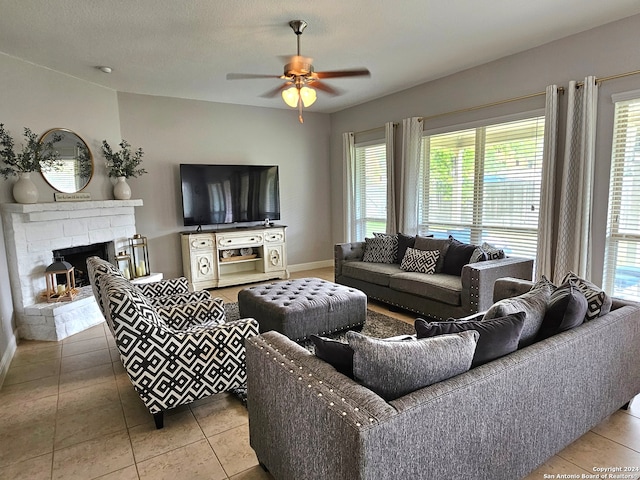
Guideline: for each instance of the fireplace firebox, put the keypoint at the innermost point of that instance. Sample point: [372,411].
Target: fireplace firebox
[77,256]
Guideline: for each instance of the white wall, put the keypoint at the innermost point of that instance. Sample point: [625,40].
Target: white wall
[604,51]
[39,98]
[173,131]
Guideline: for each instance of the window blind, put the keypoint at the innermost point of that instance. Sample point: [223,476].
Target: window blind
[483,184]
[370,189]
[622,261]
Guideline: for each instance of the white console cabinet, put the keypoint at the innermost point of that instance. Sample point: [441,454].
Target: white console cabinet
[234,256]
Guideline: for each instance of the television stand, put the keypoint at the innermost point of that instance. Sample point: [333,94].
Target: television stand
[234,256]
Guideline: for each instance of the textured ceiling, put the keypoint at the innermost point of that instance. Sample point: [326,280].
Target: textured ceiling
[185,48]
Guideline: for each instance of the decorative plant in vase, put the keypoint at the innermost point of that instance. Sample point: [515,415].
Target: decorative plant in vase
[122,165]
[34,157]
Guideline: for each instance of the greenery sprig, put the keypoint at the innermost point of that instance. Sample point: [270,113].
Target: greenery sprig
[124,163]
[34,157]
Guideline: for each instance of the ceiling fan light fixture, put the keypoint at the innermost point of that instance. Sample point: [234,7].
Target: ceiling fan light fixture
[291,96]
[308,96]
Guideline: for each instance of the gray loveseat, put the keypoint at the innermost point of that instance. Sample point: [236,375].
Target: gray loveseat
[498,421]
[439,296]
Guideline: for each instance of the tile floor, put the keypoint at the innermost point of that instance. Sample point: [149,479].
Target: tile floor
[68,411]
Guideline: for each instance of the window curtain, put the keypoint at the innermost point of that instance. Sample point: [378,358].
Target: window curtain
[348,187]
[573,249]
[410,168]
[544,256]
[389,130]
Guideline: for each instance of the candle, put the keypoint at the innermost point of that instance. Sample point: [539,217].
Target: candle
[127,274]
[141,270]
[61,289]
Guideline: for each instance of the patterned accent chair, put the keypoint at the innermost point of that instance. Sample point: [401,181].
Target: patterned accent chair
[164,293]
[175,354]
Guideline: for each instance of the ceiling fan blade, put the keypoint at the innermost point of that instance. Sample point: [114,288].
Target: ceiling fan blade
[246,76]
[324,87]
[356,72]
[272,93]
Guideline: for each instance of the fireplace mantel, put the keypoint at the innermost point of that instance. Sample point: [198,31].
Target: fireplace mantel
[33,231]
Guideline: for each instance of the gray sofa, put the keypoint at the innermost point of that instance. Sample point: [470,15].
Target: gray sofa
[439,296]
[500,420]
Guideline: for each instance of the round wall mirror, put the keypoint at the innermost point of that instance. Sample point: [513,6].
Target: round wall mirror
[76,162]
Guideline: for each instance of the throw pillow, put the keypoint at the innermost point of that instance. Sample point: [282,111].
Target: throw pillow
[498,336]
[337,354]
[394,237]
[423,261]
[458,255]
[566,309]
[381,249]
[491,252]
[404,242]
[533,303]
[478,255]
[429,243]
[393,369]
[598,302]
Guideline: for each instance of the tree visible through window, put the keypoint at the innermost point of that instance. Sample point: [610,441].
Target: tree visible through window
[370,189]
[483,185]
[622,261]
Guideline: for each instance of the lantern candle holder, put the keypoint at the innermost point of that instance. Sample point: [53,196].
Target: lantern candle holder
[140,256]
[57,291]
[123,260]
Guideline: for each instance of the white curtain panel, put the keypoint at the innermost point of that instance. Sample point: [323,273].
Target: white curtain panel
[410,168]
[573,249]
[389,132]
[348,188]
[544,257]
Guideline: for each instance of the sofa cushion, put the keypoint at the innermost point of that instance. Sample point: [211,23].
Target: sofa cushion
[393,369]
[337,354]
[429,243]
[377,273]
[533,303]
[498,336]
[598,302]
[423,261]
[380,249]
[404,242]
[458,255]
[439,286]
[566,309]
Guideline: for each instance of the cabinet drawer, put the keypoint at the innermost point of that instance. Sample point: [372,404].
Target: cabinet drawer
[245,240]
[200,242]
[274,237]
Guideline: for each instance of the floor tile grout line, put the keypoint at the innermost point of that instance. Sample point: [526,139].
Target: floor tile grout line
[616,442]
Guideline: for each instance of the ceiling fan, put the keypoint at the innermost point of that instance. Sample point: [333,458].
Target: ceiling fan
[301,80]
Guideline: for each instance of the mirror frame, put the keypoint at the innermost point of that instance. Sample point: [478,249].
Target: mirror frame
[51,131]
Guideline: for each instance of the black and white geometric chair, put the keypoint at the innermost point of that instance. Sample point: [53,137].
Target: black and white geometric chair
[164,293]
[175,354]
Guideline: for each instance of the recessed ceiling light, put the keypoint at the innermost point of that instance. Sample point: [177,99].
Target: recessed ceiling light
[105,69]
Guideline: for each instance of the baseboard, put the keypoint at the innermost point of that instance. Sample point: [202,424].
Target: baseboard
[8,356]
[299,267]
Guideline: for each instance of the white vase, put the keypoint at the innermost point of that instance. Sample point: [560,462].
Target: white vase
[121,190]
[24,190]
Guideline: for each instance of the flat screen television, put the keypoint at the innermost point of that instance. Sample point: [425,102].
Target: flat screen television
[223,194]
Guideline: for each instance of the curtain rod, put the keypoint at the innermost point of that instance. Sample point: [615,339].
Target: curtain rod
[611,77]
[486,105]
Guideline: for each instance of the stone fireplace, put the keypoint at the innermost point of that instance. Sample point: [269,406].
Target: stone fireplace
[33,232]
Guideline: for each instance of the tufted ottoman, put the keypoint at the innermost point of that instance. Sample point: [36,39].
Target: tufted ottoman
[299,308]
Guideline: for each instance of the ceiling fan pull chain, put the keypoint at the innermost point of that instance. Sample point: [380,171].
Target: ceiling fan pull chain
[300,110]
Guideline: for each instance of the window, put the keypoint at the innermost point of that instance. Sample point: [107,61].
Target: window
[622,260]
[370,189]
[483,185]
